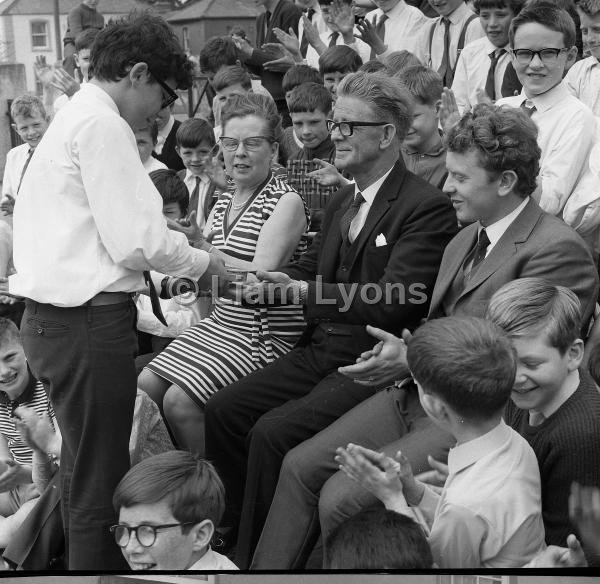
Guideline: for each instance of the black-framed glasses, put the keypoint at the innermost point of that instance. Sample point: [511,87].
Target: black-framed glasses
[347,128]
[250,143]
[171,96]
[145,534]
[546,56]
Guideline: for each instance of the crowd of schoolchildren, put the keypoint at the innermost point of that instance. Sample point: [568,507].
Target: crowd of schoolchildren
[478,445]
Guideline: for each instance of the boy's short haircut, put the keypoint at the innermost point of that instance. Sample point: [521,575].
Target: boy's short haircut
[152,130]
[397,61]
[505,138]
[27,105]
[374,66]
[309,97]
[513,5]
[218,52]
[171,188]
[467,362]
[193,132]
[339,59]
[231,75]
[141,37]
[189,484]
[378,539]
[533,306]
[85,39]
[254,104]
[9,333]
[546,14]
[299,74]
[423,83]
[589,7]
[237,30]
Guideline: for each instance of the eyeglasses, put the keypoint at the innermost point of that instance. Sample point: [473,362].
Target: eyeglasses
[347,128]
[145,534]
[251,143]
[546,56]
[171,96]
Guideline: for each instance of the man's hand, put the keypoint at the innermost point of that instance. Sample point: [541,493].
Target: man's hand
[449,114]
[37,431]
[290,42]
[43,71]
[16,474]
[65,83]
[384,363]
[7,205]
[328,175]
[584,510]
[270,288]
[187,226]
[282,60]
[343,19]
[559,557]
[244,47]
[367,33]
[313,36]
[376,472]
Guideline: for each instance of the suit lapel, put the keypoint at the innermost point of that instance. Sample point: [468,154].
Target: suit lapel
[274,18]
[518,232]
[331,244]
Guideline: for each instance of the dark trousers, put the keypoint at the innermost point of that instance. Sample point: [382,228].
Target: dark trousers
[85,358]
[253,423]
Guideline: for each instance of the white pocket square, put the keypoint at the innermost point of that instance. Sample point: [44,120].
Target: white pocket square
[380,240]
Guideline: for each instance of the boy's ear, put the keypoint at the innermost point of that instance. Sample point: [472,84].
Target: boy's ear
[575,353]
[571,58]
[138,72]
[202,533]
[437,105]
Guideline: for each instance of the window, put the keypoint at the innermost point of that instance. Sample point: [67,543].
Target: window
[39,35]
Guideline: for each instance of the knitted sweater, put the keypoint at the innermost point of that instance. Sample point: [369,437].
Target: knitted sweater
[567,446]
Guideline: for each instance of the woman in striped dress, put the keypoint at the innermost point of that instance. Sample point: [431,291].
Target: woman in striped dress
[260,224]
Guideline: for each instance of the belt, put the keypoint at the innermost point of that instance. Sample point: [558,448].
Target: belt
[106,298]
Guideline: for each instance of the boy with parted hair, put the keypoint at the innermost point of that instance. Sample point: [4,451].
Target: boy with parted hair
[489,512]
[542,42]
[335,63]
[297,75]
[423,150]
[168,507]
[554,405]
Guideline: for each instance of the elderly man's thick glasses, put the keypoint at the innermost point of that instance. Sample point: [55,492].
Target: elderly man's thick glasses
[546,56]
[170,97]
[251,143]
[145,534]
[347,128]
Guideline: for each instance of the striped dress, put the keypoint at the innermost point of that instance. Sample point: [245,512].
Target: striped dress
[234,340]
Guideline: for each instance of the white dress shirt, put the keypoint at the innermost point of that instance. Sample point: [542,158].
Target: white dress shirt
[88,218]
[369,196]
[567,130]
[472,70]
[432,57]
[583,81]
[489,514]
[402,28]
[15,161]
[162,135]
[190,183]
[496,230]
[312,57]
[153,164]
[213,560]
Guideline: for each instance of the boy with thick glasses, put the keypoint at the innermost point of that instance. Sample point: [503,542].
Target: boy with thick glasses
[168,507]
[542,45]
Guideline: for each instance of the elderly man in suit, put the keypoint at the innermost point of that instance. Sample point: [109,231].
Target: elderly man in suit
[492,161]
[375,260]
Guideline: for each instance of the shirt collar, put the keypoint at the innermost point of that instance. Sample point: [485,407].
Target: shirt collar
[549,99]
[370,192]
[396,11]
[468,453]
[496,230]
[456,16]
[168,127]
[93,91]
[192,177]
[490,46]
[26,396]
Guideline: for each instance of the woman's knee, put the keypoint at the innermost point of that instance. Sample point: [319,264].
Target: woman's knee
[178,407]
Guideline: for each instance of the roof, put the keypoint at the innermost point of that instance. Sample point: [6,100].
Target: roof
[47,6]
[202,9]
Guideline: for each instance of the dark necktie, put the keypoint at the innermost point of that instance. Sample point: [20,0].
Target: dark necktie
[333,37]
[380,30]
[510,82]
[349,215]
[482,244]
[154,301]
[490,82]
[304,41]
[194,198]
[528,107]
[29,155]
[444,68]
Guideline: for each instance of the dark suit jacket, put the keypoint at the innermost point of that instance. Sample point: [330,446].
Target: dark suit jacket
[168,153]
[536,244]
[416,220]
[285,15]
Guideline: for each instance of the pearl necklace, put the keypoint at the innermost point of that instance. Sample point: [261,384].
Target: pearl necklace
[240,206]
